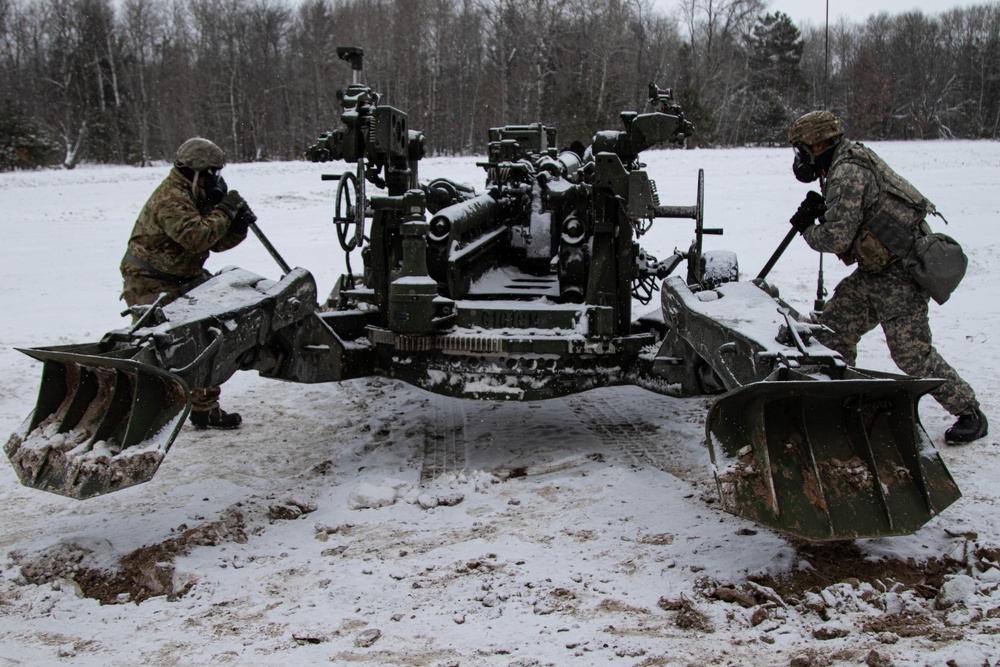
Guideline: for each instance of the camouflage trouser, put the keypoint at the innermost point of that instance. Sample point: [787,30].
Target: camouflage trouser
[891,298]
[144,291]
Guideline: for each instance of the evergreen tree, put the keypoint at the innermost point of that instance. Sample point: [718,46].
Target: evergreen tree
[775,57]
[23,144]
[775,80]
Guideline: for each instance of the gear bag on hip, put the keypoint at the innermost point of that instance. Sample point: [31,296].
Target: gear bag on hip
[938,264]
[935,260]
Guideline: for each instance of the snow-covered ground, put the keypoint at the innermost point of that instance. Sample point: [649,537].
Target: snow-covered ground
[581,531]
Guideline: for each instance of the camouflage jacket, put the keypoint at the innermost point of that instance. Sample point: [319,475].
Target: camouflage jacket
[859,187]
[174,235]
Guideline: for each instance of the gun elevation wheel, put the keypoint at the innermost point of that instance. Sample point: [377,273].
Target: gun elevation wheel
[345,217]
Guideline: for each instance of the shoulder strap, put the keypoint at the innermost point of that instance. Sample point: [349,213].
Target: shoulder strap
[891,183]
[895,234]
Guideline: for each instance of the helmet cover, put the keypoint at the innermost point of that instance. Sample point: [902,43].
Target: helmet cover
[199,154]
[814,127]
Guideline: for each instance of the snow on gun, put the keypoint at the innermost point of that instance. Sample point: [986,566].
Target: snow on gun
[523,292]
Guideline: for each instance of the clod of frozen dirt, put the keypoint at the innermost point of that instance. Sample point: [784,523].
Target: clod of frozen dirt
[451,499]
[731,594]
[831,630]
[427,501]
[766,593]
[959,588]
[759,615]
[309,637]
[876,659]
[290,509]
[371,496]
[961,616]
[325,529]
[689,616]
[667,604]
[367,637]
[484,481]
[67,585]
[430,501]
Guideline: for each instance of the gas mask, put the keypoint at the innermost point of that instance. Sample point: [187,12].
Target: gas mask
[808,167]
[803,166]
[215,188]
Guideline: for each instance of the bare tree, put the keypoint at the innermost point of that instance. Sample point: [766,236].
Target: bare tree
[716,56]
[260,76]
[142,25]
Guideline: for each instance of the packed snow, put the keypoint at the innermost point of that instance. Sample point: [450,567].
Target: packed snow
[371,523]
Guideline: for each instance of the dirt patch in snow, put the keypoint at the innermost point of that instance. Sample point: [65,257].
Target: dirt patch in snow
[139,575]
[844,562]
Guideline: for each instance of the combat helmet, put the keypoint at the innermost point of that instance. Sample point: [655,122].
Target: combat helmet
[199,154]
[814,127]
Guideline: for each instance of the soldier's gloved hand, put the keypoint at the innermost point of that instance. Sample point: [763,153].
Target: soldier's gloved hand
[243,220]
[215,190]
[811,208]
[232,203]
[815,203]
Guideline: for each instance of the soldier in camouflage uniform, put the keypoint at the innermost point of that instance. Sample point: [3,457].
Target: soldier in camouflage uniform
[190,214]
[860,189]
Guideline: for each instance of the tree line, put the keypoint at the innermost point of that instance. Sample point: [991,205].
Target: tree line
[127,82]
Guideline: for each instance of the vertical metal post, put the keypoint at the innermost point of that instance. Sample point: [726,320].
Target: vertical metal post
[826,61]
[820,301]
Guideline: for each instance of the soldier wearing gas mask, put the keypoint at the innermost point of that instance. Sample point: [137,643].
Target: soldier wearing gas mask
[190,214]
[861,194]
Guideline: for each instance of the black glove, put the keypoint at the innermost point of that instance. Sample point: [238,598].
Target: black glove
[232,204]
[809,211]
[243,220]
[215,190]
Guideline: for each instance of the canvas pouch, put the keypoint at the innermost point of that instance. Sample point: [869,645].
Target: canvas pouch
[935,260]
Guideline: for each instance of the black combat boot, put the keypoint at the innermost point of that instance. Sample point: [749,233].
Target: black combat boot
[215,418]
[970,426]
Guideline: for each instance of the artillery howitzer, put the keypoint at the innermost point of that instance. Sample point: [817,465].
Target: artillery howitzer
[522,292]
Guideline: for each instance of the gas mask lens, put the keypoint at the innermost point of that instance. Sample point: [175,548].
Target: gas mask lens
[804,166]
[802,153]
[215,187]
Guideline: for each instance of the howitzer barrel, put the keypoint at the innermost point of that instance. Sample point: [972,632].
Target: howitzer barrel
[460,220]
[461,239]
[566,164]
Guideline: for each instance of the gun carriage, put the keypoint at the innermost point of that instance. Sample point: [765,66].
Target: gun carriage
[523,291]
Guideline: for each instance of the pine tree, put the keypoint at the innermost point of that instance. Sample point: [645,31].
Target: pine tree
[776,47]
[775,77]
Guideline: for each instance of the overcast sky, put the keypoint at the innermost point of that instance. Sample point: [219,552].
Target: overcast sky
[814,11]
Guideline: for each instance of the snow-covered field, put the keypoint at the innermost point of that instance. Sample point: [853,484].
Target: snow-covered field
[581,531]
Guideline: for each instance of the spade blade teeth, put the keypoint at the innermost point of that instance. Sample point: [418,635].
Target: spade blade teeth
[829,460]
[100,424]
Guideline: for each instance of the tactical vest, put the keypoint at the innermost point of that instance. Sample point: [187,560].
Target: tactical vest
[898,210]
